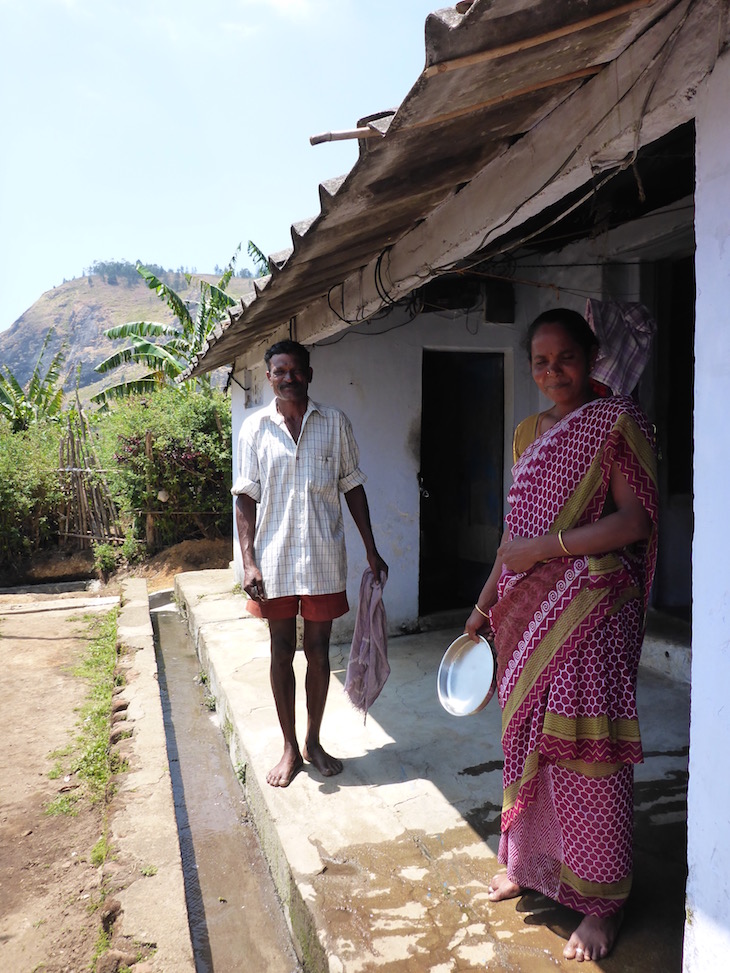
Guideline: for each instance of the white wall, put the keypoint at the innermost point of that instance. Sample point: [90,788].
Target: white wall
[376,380]
[707,930]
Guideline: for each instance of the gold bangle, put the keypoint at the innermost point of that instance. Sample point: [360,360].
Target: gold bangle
[560,541]
[480,611]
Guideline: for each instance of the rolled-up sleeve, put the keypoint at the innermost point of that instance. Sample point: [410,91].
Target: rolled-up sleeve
[350,473]
[248,480]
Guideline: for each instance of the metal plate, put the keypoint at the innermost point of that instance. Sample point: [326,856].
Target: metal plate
[467,676]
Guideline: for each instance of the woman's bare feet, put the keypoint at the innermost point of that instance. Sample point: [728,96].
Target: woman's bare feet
[325,763]
[501,887]
[286,770]
[594,937]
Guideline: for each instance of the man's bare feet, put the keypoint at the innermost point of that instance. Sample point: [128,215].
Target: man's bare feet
[325,763]
[594,937]
[286,770]
[501,887]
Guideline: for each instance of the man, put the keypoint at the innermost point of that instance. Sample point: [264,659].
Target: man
[295,457]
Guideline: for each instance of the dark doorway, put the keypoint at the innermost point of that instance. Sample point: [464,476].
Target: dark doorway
[462,467]
[674,405]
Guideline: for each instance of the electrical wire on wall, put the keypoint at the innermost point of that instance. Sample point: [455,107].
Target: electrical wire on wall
[380,282]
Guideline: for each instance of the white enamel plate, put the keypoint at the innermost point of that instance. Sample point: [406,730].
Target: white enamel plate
[467,676]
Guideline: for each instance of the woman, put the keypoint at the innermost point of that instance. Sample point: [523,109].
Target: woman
[566,602]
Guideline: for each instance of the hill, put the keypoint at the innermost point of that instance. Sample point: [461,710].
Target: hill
[79,311]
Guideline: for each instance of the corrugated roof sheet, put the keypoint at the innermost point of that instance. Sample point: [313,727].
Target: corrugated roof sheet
[492,73]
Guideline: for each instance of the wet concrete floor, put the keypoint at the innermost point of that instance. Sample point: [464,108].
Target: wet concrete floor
[236,921]
[386,867]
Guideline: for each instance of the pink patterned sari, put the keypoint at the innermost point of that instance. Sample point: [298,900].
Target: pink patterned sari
[568,635]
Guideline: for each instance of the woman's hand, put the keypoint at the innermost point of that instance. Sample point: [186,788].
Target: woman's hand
[520,553]
[476,625]
[478,622]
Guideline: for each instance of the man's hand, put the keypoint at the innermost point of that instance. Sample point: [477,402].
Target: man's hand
[253,583]
[358,505]
[377,564]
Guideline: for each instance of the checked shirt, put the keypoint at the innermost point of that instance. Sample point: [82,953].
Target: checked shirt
[299,544]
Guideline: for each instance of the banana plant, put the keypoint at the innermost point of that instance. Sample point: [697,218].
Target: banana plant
[261,261]
[167,349]
[41,399]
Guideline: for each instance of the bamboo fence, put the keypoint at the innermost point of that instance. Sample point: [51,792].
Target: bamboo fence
[89,513]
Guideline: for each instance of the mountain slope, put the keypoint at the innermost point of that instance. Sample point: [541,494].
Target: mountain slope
[80,311]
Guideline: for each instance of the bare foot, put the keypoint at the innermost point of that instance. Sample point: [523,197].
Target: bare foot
[594,937]
[502,888]
[286,770]
[325,763]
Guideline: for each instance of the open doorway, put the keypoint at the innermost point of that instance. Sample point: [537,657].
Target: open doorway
[668,397]
[462,467]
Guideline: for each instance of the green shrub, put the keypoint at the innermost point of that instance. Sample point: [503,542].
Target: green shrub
[133,550]
[30,489]
[105,559]
[169,453]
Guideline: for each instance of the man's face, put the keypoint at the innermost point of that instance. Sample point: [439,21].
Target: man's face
[289,378]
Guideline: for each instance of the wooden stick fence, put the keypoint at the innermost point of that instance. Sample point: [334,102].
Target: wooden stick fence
[89,513]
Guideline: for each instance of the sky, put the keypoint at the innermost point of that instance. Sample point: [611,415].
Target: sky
[169,131]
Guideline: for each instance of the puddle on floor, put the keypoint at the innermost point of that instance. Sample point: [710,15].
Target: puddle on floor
[235,916]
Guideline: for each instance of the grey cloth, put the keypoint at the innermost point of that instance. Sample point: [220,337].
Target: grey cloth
[625,332]
[368,667]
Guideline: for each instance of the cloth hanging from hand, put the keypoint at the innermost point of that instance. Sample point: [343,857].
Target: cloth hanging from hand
[625,332]
[368,667]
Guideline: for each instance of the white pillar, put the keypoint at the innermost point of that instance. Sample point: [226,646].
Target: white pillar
[707,929]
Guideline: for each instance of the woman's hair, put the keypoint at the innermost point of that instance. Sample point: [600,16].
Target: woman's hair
[574,324]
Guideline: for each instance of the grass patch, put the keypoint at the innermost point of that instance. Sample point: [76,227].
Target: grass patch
[93,764]
[100,851]
[89,757]
[148,870]
[103,943]
[63,804]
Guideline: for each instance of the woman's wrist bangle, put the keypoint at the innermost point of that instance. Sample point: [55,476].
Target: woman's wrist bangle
[562,544]
[480,611]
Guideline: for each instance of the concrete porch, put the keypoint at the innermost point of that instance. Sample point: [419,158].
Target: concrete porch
[386,866]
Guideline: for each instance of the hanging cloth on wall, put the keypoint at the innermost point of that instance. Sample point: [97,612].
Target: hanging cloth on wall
[625,332]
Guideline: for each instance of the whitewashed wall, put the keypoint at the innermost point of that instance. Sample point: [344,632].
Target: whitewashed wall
[707,930]
[376,380]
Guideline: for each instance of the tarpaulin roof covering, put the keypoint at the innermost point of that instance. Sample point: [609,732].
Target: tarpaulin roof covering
[494,69]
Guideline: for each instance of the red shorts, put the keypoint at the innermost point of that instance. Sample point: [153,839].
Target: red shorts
[312,608]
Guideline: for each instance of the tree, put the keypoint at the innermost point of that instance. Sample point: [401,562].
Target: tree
[179,343]
[41,399]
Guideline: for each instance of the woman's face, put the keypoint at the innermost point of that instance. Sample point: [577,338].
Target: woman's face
[560,367]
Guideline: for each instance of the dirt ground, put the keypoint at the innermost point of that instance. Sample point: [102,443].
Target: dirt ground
[54,902]
[159,571]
